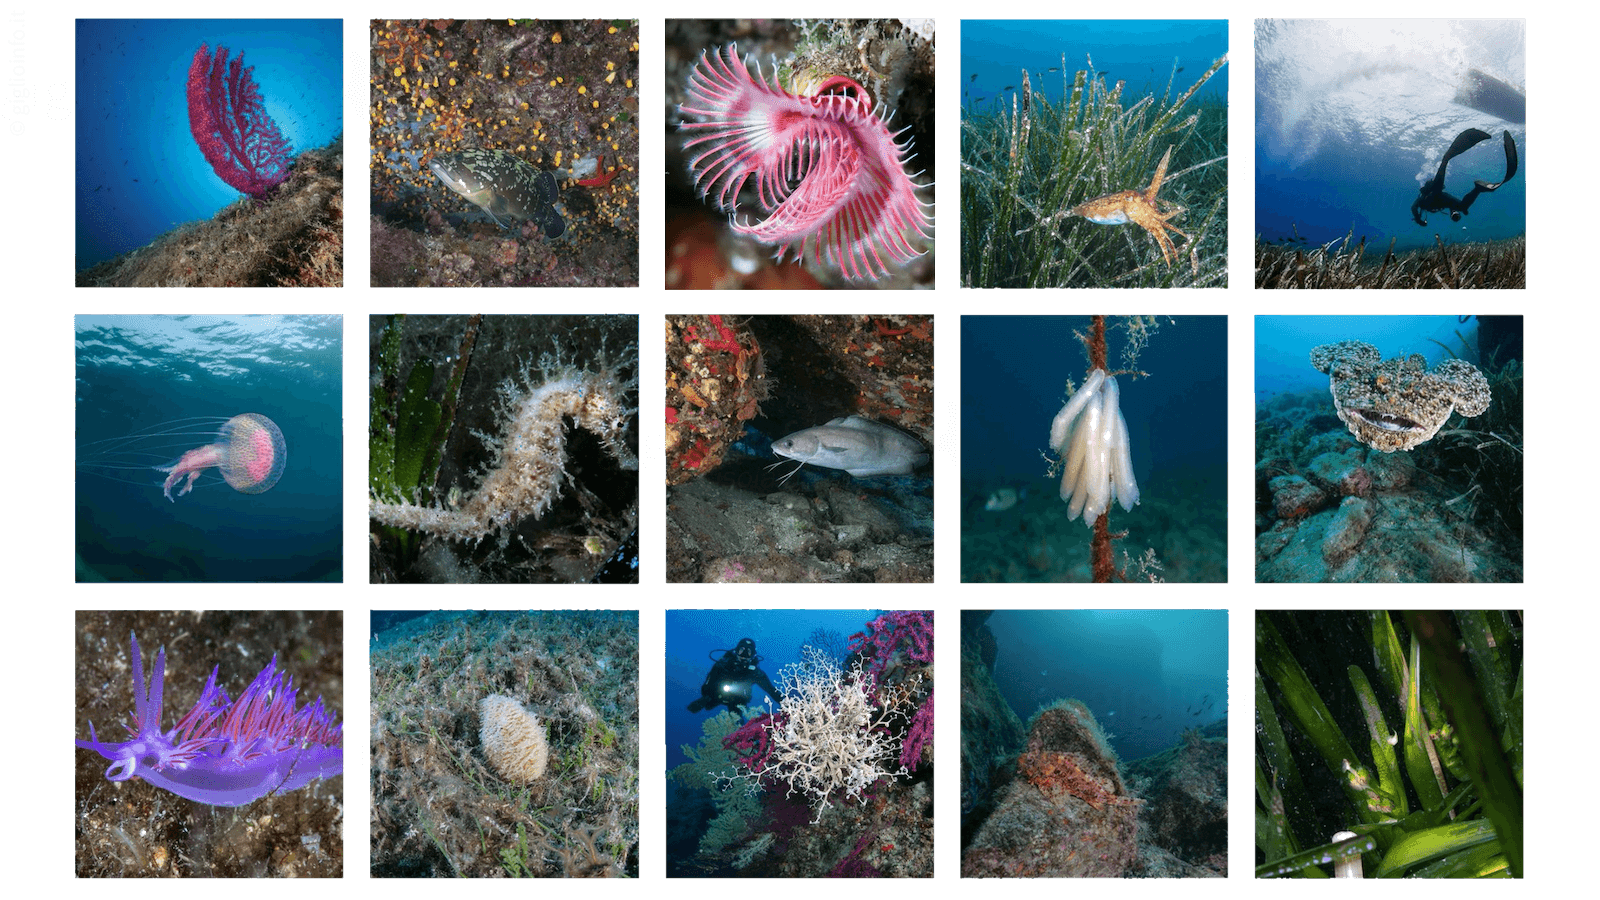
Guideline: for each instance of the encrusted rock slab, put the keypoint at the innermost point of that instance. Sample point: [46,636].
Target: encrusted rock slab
[1346,529]
[1294,497]
[1066,812]
[1399,403]
[1342,473]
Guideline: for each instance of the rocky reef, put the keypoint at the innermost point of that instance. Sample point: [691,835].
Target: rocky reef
[1065,812]
[1449,509]
[1186,811]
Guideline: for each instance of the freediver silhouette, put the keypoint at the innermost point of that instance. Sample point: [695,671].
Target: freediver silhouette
[1432,197]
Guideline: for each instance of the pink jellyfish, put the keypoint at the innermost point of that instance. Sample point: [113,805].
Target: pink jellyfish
[248,451]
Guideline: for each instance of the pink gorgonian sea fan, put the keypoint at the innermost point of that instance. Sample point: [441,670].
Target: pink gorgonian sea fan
[230,123]
[828,171]
[225,753]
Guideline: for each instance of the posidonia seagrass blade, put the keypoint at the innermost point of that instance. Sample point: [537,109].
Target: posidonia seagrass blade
[1488,665]
[1421,756]
[1273,837]
[1275,777]
[1305,864]
[1490,770]
[1278,663]
[1415,749]
[1389,794]
[1440,843]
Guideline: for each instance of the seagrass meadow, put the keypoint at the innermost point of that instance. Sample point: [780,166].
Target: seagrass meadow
[440,809]
[1348,263]
[1434,699]
[1028,172]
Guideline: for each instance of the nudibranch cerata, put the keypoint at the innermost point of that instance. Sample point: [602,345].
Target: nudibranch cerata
[225,752]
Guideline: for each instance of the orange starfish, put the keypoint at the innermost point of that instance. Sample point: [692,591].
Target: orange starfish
[1139,207]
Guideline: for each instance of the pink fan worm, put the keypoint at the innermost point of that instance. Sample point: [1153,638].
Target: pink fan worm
[829,173]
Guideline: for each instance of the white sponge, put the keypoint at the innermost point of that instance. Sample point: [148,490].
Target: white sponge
[513,739]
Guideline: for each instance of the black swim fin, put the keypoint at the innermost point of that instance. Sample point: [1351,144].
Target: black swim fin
[1465,141]
[697,705]
[1511,165]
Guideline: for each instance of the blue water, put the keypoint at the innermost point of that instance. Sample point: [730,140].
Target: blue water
[1353,116]
[136,372]
[1145,674]
[1142,53]
[1283,344]
[139,171]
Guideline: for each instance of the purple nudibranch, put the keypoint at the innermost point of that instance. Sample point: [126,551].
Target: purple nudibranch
[225,753]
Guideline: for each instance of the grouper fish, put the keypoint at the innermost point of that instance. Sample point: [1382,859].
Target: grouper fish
[503,186]
[859,446]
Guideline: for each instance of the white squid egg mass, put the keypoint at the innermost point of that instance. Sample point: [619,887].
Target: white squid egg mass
[1091,437]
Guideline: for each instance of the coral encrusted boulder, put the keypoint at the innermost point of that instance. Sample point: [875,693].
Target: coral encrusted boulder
[1188,797]
[1066,812]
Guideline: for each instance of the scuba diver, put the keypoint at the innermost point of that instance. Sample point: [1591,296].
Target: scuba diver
[730,680]
[1432,197]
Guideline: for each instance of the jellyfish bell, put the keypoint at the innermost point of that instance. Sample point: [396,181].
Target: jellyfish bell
[246,450]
